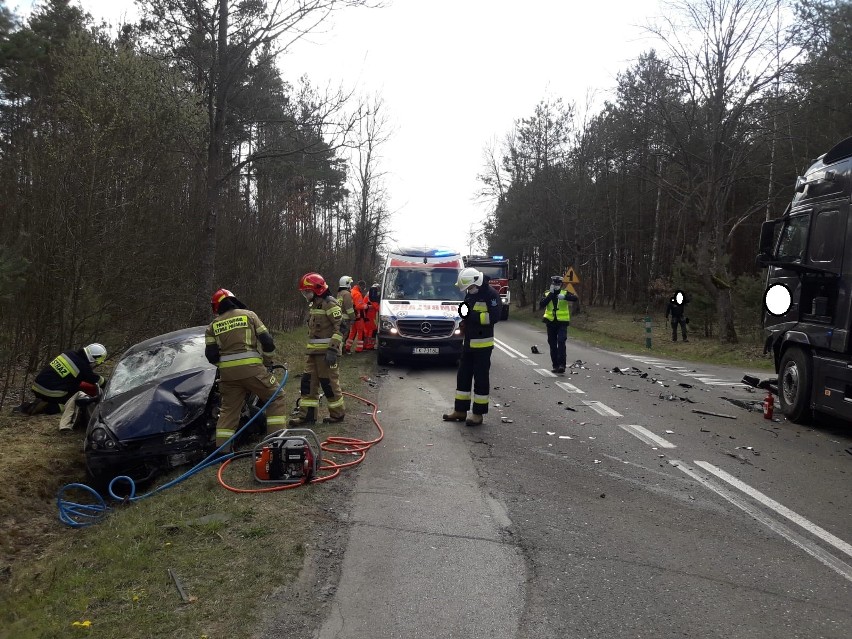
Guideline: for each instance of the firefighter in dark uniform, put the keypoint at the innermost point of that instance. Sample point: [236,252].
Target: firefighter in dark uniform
[344,298]
[676,308]
[68,377]
[231,342]
[323,351]
[480,310]
[557,318]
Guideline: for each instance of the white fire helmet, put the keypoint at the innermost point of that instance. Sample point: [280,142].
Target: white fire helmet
[469,277]
[96,353]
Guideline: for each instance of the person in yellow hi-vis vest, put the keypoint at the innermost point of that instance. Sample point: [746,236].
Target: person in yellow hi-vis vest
[231,342]
[323,353]
[557,318]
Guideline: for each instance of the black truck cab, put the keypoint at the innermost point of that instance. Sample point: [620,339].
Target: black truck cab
[808,300]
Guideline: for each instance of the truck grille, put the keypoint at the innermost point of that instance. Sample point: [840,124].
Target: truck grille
[426,329]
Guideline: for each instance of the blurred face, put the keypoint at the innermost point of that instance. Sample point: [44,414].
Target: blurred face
[309,295]
[473,289]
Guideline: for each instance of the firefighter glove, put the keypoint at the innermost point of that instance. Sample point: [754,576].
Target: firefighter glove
[331,357]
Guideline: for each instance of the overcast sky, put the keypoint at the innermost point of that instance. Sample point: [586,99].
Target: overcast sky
[455,75]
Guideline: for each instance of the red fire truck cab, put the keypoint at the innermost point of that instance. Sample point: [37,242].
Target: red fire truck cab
[497,268]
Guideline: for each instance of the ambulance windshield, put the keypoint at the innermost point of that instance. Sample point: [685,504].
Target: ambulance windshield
[421,283]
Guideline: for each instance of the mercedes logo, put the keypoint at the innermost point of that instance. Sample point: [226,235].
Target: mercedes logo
[425,328]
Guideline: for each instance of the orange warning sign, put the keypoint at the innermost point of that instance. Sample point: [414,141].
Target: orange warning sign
[571,276]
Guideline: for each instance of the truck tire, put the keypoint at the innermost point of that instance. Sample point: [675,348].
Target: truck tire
[504,312]
[795,375]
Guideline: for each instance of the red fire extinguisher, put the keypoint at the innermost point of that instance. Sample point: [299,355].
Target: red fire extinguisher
[768,406]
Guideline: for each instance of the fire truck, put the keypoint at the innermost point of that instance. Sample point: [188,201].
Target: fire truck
[497,268]
[808,298]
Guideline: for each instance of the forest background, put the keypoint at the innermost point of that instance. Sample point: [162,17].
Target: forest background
[141,170]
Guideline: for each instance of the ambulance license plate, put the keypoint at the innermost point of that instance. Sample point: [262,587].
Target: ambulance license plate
[423,350]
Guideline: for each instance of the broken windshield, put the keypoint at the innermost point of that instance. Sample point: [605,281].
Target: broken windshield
[157,362]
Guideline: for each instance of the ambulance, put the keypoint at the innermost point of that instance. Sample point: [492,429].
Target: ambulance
[419,311]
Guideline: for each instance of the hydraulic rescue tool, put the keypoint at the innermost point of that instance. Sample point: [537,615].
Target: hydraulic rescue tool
[289,456]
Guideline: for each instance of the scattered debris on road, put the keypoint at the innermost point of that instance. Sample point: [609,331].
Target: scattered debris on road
[707,412]
[750,405]
[534,350]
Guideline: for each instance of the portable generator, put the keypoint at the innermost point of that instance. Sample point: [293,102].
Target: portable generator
[290,456]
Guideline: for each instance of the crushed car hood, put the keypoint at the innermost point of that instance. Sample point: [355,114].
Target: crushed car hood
[166,406]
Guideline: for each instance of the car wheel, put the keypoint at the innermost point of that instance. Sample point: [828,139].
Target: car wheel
[794,385]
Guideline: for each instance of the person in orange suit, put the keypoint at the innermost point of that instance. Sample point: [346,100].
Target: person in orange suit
[355,341]
[372,314]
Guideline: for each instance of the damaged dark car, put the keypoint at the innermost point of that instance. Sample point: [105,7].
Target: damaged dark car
[158,410]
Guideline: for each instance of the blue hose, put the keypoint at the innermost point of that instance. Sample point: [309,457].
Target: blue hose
[81,515]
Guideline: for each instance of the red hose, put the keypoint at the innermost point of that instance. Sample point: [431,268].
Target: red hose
[332,445]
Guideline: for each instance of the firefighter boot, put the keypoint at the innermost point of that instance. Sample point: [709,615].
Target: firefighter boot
[455,416]
[308,419]
[474,420]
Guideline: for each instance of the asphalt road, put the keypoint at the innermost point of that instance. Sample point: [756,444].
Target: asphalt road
[592,504]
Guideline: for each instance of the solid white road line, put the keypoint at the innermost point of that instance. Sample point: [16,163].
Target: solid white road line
[602,409]
[842,568]
[646,436]
[504,349]
[509,348]
[778,508]
[569,387]
[545,373]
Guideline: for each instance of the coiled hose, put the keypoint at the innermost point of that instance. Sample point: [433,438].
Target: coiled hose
[79,515]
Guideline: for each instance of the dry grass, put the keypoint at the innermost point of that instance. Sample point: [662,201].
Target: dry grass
[229,551]
[622,331]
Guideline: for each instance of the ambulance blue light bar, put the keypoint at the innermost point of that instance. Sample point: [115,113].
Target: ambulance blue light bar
[496,257]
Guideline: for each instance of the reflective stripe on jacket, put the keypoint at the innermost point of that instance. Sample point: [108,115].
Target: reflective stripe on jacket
[235,333]
[563,311]
[61,378]
[485,311]
[324,326]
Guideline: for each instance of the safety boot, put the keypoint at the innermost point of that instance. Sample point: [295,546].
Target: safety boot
[474,420]
[455,416]
[332,420]
[308,418]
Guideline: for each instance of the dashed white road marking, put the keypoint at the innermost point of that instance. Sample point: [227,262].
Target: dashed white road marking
[778,508]
[646,435]
[545,373]
[838,565]
[569,387]
[704,378]
[602,409]
[529,362]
